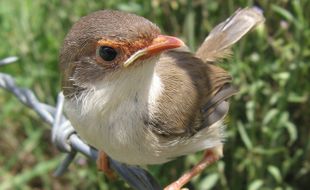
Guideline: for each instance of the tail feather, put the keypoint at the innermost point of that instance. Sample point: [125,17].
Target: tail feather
[223,36]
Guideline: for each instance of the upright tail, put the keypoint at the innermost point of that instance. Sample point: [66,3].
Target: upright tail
[218,43]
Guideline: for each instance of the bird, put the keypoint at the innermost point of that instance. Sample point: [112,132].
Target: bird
[142,97]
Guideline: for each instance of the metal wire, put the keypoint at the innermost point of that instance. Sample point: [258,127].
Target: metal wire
[64,136]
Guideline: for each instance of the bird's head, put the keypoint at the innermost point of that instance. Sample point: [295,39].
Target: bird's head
[106,42]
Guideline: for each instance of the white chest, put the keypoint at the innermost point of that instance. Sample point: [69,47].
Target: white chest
[111,117]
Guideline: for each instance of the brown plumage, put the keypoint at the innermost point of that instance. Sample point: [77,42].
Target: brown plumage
[195,83]
[131,94]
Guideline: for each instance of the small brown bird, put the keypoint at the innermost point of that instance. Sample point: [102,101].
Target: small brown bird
[142,97]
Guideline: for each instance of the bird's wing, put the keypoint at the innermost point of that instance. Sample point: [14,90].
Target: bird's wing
[196,91]
[223,36]
[192,96]
[217,106]
[216,46]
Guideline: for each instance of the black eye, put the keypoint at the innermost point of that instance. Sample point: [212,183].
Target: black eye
[107,53]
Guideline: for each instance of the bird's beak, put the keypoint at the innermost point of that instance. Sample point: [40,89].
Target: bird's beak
[159,44]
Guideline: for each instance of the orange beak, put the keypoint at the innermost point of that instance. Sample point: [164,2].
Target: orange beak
[159,44]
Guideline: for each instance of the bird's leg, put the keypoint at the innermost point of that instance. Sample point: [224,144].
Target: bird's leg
[104,166]
[210,156]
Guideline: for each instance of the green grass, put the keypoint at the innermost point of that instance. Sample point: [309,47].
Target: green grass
[268,129]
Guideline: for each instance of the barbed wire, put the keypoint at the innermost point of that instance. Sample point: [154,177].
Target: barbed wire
[64,136]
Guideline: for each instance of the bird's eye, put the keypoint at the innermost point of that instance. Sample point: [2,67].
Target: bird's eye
[106,53]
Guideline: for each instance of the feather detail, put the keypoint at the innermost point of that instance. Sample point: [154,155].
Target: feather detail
[217,107]
[218,43]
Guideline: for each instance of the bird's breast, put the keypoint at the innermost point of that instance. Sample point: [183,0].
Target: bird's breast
[115,118]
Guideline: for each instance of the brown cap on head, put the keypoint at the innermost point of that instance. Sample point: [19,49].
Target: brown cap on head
[105,41]
[106,26]
[118,32]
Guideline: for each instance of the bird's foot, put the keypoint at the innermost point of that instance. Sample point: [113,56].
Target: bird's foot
[104,166]
[210,156]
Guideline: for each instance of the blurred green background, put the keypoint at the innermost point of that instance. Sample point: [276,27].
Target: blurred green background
[268,132]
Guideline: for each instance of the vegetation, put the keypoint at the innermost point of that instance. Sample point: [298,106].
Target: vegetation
[268,132]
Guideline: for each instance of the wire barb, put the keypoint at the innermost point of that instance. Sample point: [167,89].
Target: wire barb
[64,136]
